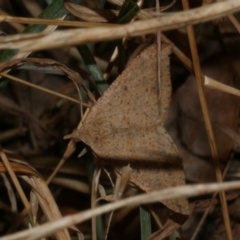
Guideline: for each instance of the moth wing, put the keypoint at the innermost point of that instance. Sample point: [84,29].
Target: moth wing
[134,100]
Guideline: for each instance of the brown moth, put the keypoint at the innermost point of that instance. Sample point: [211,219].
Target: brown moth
[126,126]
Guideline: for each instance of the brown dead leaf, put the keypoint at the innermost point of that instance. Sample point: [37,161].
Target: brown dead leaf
[187,127]
[126,125]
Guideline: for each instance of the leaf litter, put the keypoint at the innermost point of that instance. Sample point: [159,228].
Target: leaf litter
[143,162]
[186,125]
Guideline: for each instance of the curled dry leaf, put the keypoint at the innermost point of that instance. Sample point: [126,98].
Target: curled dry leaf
[126,125]
[19,166]
[90,15]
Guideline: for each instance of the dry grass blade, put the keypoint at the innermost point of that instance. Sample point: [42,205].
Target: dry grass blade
[234,22]
[43,89]
[47,203]
[231,134]
[211,83]
[176,192]
[32,7]
[72,75]
[11,19]
[181,56]
[203,204]
[71,147]
[95,183]
[9,134]
[212,142]
[40,189]
[13,176]
[11,107]
[167,229]
[207,2]
[140,3]
[70,37]
[25,54]
[91,15]
[68,152]
[208,210]
[17,26]
[19,168]
[72,184]
[10,191]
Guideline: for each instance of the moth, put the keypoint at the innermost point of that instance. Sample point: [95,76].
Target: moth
[126,125]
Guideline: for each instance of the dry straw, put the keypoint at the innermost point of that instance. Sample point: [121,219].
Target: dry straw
[170,193]
[38,41]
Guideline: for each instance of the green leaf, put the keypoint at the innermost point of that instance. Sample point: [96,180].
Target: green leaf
[93,68]
[127,12]
[145,222]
